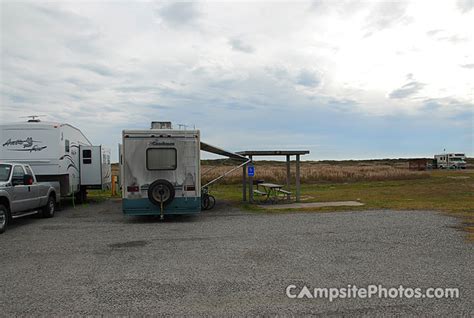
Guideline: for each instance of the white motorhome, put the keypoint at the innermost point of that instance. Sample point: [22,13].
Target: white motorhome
[450,160]
[160,170]
[57,152]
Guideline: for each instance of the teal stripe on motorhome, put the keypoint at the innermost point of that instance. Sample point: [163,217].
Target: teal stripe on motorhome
[189,205]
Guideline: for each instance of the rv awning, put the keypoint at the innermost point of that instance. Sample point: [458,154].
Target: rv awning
[222,152]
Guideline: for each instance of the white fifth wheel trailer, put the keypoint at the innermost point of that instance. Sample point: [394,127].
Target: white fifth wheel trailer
[57,152]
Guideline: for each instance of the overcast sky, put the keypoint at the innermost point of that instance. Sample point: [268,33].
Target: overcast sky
[344,79]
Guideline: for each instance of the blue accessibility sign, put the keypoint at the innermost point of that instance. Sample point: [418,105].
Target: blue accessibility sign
[251,171]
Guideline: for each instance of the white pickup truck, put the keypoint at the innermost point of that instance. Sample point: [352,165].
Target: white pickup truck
[21,194]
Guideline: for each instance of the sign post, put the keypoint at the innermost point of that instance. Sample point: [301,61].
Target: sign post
[250,173]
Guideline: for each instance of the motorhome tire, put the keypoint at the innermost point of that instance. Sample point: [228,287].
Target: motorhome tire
[4,218]
[161,191]
[50,207]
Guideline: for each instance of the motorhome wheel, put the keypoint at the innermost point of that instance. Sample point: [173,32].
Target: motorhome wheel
[161,191]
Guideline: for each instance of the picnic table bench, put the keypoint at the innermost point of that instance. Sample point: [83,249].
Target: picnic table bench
[271,191]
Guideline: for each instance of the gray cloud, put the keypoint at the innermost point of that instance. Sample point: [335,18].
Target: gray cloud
[179,13]
[465,5]
[467,65]
[442,35]
[135,88]
[455,39]
[290,77]
[385,15]
[344,7]
[238,45]
[433,32]
[98,69]
[308,79]
[457,107]
[406,90]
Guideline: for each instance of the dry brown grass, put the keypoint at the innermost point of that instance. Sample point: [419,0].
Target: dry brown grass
[316,172]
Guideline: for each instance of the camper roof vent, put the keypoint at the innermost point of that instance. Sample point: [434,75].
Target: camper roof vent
[161,125]
[33,119]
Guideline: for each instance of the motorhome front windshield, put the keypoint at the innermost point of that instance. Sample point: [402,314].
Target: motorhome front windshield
[5,171]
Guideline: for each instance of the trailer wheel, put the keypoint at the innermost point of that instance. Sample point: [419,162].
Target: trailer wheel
[50,207]
[4,218]
[161,192]
[81,196]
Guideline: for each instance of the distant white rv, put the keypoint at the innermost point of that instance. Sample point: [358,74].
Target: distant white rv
[450,161]
[57,152]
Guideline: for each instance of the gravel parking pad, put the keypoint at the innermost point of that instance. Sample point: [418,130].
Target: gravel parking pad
[94,260]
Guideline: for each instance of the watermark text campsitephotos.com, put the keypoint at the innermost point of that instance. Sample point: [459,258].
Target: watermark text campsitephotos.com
[370,291]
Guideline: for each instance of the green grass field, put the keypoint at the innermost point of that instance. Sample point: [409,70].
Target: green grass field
[445,190]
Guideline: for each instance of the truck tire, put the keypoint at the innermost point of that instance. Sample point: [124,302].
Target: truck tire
[161,191]
[4,218]
[50,207]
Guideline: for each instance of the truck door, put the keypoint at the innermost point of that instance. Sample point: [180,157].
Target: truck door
[34,192]
[23,198]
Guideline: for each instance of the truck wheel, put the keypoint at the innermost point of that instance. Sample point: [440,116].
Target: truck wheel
[49,208]
[3,218]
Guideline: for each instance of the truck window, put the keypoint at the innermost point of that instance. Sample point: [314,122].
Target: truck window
[28,171]
[161,159]
[18,172]
[87,156]
[66,145]
[5,171]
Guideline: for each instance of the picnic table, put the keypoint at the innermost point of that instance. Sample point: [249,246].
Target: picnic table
[271,191]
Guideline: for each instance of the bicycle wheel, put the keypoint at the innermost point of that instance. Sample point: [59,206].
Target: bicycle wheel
[212,202]
[205,202]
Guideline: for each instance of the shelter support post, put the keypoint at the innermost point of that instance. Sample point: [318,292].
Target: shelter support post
[288,175]
[298,185]
[244,183]
[250,184]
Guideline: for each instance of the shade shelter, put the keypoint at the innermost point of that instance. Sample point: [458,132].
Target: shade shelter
[271,153]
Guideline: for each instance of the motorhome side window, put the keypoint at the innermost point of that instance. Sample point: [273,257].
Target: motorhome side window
[161,159]
[86,156]
[66,145]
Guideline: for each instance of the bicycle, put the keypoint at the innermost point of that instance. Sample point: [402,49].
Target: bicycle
[207,200]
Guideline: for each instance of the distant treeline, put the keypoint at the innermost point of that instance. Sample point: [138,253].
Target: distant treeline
[390,162]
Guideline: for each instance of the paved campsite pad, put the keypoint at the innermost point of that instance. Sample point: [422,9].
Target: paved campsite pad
[93,260]
[310,205]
